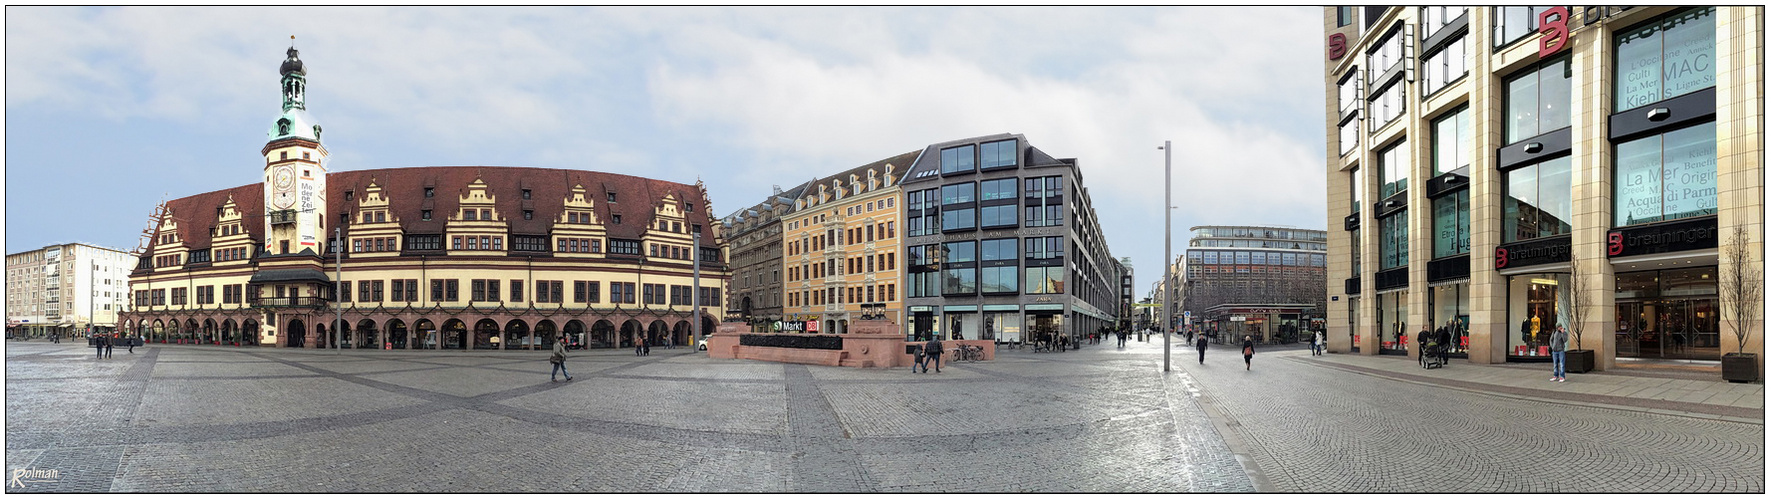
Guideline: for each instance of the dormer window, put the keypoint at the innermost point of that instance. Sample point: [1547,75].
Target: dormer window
[283,127]
[525,194]
[470,215]
[486,214]
[528,214]
[350,196]
[611,197]
[676,227]
[425,214]
[616,218]
[430,192]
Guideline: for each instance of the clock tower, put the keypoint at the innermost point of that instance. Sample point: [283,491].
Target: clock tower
[294,172]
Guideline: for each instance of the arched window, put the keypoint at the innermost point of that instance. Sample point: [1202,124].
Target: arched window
[283,126]
[316,132]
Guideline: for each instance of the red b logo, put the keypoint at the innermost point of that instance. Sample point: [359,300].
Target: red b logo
[1614,243]
[1337,46]
[1555,33]
[1500,258]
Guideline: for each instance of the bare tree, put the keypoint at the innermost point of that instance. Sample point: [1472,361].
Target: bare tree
[1579,300]
[1742,286]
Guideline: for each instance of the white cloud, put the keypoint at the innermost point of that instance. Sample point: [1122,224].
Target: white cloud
[1180,76]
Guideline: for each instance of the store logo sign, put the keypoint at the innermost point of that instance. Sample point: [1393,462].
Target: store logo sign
[1662,238]
[1337,46]
[1529,253]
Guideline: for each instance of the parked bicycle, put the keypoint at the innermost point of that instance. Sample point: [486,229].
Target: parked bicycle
[968,353]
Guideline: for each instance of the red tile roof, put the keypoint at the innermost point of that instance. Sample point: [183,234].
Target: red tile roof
[636,198]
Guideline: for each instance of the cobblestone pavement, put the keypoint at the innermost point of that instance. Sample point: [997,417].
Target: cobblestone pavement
[1326,424]
[1102,419]
[206,419]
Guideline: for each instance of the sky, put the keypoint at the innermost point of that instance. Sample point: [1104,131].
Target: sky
[111,110]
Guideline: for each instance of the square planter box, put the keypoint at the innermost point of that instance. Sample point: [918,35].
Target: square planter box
[1740,367]
[1580,361]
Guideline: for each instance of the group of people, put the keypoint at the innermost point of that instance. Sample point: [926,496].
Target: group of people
[105,343]
[929,354]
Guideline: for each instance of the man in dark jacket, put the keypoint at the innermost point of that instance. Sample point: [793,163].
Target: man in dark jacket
[932,352]
[1201,343]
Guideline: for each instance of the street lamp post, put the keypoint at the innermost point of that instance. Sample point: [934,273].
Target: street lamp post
[1167,241]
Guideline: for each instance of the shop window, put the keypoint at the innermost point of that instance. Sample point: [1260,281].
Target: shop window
[1450,309]
[1665,177]
[1536,305]
[1538,99]
[1451,224]
[1393,240]
[1666,58]
[1538,201]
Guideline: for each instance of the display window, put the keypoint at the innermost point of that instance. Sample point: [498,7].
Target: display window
[1450,315]
[1002,326]
[1536,305]
[1392,314]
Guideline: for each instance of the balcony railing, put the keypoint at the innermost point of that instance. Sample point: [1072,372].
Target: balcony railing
[287,302]
[281,216]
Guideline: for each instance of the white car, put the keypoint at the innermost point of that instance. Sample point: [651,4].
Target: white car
[702,345]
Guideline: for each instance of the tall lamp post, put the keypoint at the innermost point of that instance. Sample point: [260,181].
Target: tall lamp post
[1167,226]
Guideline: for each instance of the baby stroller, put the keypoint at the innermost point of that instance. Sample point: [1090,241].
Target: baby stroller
[1432,356]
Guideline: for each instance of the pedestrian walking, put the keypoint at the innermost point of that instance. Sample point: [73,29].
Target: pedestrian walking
[933,352]
[1201,343]
[1319,342]
[921,360]
[1559,354]
[647,347]
[98,342]
[131,342]
[1247,352]
[559,362]
[639,345]
[110,344]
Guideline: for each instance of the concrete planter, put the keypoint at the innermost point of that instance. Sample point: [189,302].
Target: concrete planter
[1580,361]
[1738,367]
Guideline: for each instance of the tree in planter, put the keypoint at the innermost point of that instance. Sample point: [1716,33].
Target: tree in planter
[1742,290]
[1579,304]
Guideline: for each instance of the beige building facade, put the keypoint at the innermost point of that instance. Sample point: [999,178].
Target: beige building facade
[840,249]
[1498,172]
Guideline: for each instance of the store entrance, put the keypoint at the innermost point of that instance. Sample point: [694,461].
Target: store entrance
[1668,329]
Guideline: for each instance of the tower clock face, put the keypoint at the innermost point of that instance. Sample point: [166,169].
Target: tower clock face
[283,187]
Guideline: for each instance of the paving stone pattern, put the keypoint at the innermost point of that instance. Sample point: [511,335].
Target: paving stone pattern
[1102,419]
[1365,433]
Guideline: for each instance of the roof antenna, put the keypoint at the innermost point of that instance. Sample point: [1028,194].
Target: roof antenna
[291,41]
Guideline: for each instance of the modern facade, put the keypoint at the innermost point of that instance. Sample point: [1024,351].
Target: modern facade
[841,248]
[1256,281]
[66,289]
[1490,167]
[753,239]
[1002,243]
[428,257]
